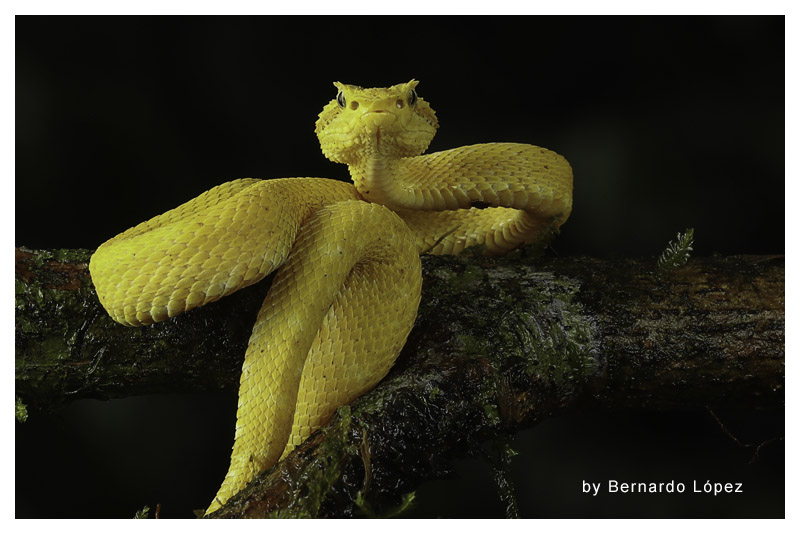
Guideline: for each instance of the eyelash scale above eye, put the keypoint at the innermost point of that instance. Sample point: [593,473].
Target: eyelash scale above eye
[342,101]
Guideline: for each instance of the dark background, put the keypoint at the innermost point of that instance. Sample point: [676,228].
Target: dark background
[668,122]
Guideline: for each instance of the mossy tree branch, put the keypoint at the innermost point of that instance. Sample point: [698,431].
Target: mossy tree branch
[499,344]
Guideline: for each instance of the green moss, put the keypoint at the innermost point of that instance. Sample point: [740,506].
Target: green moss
[470,345]
[492,414]
[550,333]
[367,511]
[312,485]
[21,410]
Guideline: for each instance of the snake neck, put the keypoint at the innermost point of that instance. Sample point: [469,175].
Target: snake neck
[377,178]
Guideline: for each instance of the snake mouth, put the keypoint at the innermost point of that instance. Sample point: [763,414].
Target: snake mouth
[379,124]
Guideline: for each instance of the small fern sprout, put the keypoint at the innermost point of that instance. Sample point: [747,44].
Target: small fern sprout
[677,252]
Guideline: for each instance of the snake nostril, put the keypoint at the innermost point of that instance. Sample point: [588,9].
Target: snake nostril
[354,105]
[400,104]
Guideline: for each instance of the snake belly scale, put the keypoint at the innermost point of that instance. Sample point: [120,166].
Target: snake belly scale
[348,283]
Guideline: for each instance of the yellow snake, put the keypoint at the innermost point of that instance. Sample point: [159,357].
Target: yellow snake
[343,302]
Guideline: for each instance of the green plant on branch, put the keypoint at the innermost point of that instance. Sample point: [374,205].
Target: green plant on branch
[677,252]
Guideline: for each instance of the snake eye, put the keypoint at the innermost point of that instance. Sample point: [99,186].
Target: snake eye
[412,98]
[341,100]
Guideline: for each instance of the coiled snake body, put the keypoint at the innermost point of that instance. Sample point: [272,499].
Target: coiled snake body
[346,295]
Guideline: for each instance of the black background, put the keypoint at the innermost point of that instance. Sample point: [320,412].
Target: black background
[668,122]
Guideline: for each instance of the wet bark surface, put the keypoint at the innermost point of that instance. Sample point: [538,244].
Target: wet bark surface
[499,344]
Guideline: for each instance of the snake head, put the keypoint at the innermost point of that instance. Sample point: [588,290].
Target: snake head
[366,122]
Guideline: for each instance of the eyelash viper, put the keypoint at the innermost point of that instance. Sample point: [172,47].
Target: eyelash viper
[346,294]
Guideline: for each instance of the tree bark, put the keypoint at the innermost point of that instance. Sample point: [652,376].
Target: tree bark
[499,344]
